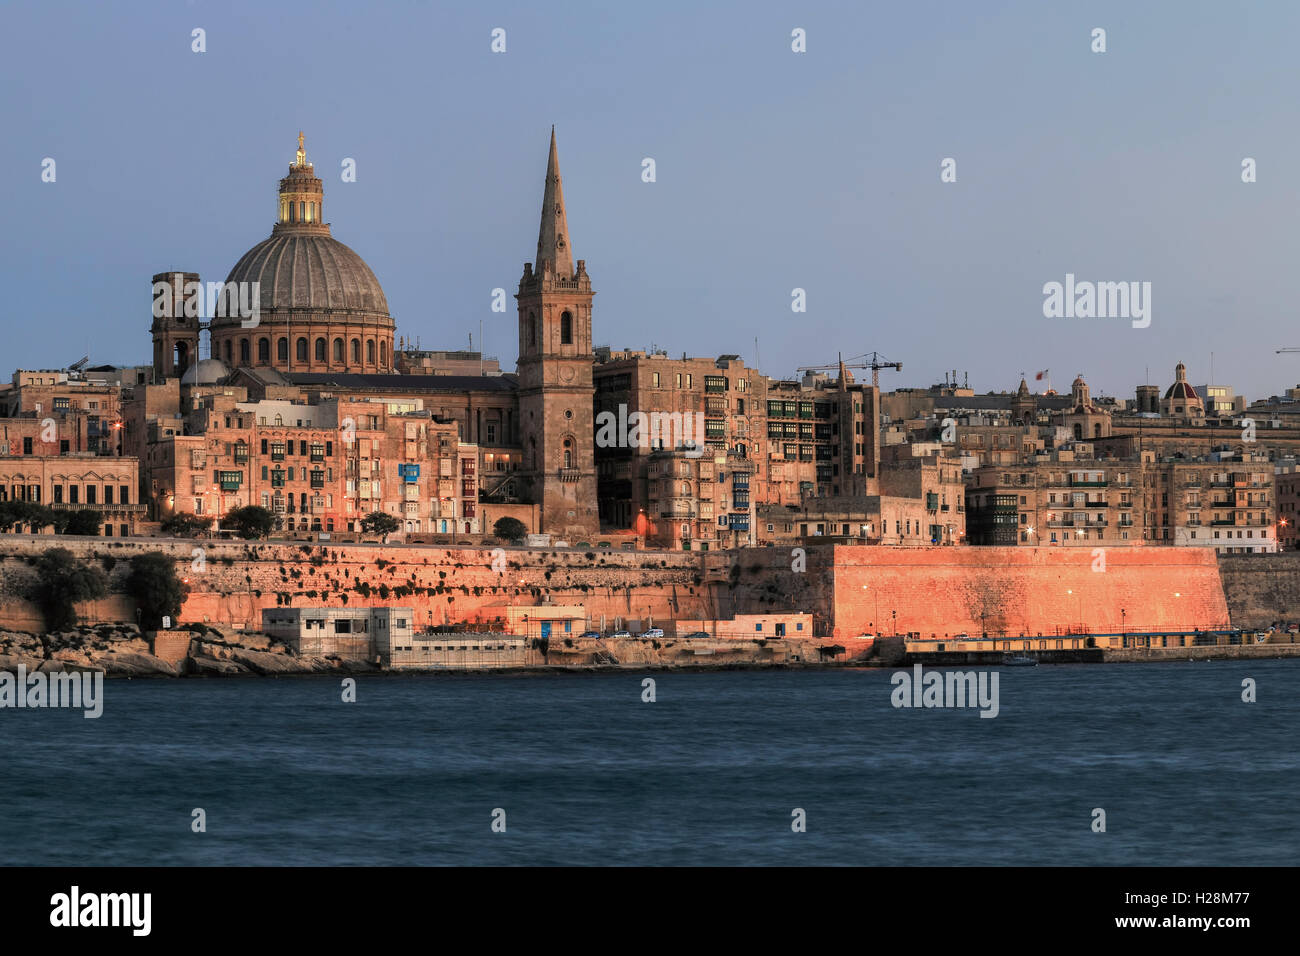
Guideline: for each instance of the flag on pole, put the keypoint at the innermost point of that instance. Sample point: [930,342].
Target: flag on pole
[1039,376]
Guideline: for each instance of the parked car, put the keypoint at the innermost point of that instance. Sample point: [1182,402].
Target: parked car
[653,632]
[697,635]
[591,635]
[620,634]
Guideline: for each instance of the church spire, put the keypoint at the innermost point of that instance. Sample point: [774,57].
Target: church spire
[553,238]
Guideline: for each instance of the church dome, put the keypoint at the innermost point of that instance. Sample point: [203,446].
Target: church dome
[208,371]
[1181,389]
[319,306]
[311,272]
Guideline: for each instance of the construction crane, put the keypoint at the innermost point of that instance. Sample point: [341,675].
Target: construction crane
[874,361]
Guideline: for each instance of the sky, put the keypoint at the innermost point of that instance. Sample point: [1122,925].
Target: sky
[775,170]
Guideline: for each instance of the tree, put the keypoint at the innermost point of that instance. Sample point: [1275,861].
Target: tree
[62,581]
[510,529]
[185,525]
[378,522]
[83,521]
[17,513]
[250,521]
[156,588]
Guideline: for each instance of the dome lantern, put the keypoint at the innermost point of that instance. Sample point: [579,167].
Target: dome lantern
[301,196]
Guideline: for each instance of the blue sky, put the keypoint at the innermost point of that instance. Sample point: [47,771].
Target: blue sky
[775,170]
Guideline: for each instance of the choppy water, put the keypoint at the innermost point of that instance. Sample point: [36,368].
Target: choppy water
[709,773]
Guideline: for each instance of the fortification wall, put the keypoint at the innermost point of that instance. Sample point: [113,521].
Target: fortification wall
[858,589]
[1261,588]
[231,582]
[945,591]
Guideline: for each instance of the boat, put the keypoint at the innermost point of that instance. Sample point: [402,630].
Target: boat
[1019,662]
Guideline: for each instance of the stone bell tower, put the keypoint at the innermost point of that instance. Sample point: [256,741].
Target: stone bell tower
[175,334]
[556,394]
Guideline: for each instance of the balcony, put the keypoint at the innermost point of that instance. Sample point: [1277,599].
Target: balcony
[1096,504]
[568,474]
[1076,483]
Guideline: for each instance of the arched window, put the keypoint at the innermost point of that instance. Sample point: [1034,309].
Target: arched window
[356,351]
[566,329]
[243,351]
[686,488]
[383,353]
[1078,432]
[568,453]
[302,349]
[370,351]
[532,329]
[227,351]
[282,350]
[263,351]
[338,350]
[320,350]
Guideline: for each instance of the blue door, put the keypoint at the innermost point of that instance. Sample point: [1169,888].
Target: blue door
[546,629]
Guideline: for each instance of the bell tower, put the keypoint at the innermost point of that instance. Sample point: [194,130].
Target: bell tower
[176,324]
[556,394]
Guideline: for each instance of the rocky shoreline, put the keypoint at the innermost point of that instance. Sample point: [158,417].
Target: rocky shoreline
[120,650]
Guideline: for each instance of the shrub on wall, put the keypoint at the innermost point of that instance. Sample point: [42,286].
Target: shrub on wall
[156,589]
[62,581]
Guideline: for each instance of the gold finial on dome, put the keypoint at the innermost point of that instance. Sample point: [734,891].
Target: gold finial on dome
[302,153]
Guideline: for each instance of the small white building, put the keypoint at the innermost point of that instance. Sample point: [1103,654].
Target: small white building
[353,633]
